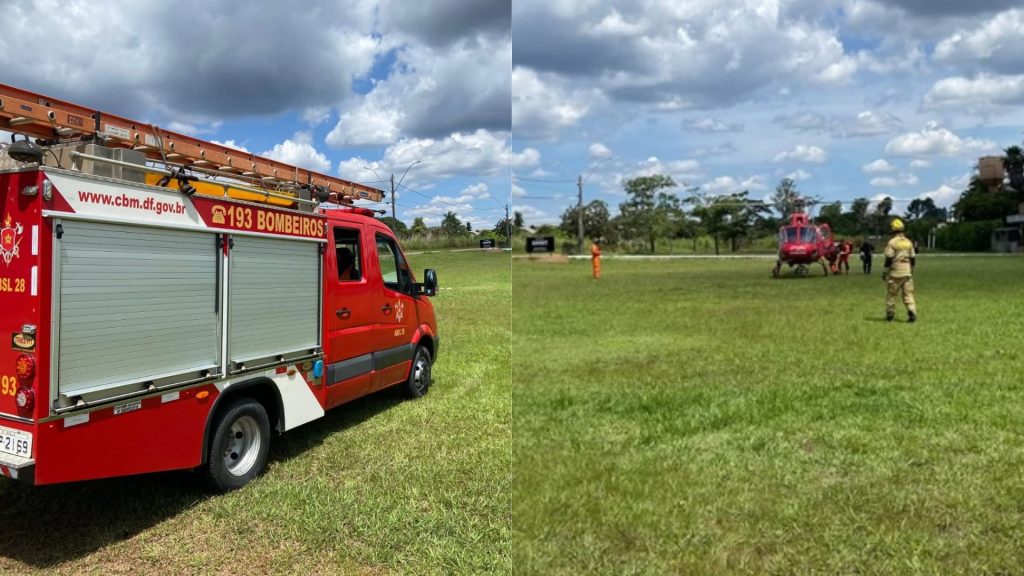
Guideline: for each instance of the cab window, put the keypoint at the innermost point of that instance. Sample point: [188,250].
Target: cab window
[393,269]
[346,246]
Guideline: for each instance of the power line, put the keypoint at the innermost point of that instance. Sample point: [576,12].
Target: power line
[542,181]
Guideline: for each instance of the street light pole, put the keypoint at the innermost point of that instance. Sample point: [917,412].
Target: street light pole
[394,187]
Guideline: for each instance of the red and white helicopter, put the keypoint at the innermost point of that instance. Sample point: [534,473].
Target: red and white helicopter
[802,242]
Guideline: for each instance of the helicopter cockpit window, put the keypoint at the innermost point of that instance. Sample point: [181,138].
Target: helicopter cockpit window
[789,234]
[807,234]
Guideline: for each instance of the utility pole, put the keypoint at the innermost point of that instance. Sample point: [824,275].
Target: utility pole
[393,185]
[508,226]
[579,216]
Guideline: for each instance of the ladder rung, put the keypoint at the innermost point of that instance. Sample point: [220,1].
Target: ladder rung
[31,114]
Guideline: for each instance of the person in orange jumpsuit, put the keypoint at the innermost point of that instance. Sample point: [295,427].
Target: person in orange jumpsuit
[595,258]
[845,249]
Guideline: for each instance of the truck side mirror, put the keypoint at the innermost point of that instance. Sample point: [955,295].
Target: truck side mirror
[430,282]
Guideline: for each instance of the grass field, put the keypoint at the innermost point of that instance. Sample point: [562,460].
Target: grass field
[381,486]
[700,417]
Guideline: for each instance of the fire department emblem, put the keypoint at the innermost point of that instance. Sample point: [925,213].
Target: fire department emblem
[399,310]
[9,240]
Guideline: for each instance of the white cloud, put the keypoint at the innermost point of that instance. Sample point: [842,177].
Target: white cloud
[598,150]
[996,45]
[839,72]
[478,191]
[682,171]
[799,175]
[802,153]
[920,163]
[541,107]
[476,154]
[613,25]
[878,166]
[299,151]
[870,123]
[729,185]
[316,115]
[529,157]
[517,191]
[366,126]
[934,140]
[894,181]
[982,93]
[432,92]
[690,55]
[944,195]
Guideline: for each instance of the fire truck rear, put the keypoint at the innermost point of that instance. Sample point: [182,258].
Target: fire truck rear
[153,320]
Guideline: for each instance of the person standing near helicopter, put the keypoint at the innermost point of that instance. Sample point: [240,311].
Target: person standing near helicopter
[595,258]
[898,275]
[866,250]
[845,249]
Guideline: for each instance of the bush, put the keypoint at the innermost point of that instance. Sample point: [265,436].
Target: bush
[967,236]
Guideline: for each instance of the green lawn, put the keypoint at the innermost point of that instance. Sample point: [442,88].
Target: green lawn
[381,486]
[701,417]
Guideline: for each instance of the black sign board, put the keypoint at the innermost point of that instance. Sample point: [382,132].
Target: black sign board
[488,243]
[545,244]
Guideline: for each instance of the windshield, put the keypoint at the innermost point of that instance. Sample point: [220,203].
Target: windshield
[807,234]
[788,234]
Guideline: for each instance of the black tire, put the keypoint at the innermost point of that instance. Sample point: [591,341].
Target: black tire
[420,373]
[239,446]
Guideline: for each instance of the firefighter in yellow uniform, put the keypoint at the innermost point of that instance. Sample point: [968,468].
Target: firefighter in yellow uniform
[898,275]
[595,258]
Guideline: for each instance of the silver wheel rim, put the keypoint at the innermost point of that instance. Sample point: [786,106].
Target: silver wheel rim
[421,373]
[243,446]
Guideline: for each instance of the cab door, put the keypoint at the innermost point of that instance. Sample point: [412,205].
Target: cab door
[395,310]
[349,313]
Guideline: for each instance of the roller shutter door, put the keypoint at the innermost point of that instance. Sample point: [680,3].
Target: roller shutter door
[274,297]
[136,304]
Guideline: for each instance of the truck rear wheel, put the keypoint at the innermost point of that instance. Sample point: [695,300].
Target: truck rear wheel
[239,447]
[419,373]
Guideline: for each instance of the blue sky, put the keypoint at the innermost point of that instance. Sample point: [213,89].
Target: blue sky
[851,98]
[332,86]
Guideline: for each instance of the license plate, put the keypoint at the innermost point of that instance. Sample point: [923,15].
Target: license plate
[15,442]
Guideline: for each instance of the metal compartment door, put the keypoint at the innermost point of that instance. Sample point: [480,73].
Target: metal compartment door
[136,305]
[274,288]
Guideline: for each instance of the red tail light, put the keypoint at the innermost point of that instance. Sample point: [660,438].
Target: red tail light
[26,401]
[25,397]
[25,367]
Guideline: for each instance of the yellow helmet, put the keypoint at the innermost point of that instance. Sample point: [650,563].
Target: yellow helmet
[896,225]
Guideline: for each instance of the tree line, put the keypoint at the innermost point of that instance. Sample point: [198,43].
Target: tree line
[652,212]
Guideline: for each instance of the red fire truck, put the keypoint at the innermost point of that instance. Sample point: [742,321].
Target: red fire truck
[170,303]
